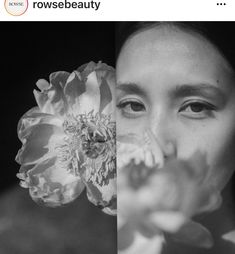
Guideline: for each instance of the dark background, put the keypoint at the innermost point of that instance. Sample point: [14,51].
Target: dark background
[30,51]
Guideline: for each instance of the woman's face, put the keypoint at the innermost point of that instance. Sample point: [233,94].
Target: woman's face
[180,87]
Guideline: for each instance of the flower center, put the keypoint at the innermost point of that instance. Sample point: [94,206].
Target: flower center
[91,139]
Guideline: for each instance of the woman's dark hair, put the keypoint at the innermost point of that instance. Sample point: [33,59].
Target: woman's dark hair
[221,34]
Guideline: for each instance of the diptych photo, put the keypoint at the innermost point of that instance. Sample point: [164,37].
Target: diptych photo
[117,137]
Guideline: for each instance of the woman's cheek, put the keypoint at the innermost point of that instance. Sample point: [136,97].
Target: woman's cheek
[130,126]
[217,141]
[221,157]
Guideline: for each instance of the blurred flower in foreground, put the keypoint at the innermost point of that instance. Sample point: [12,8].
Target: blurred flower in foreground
[155,198]
[69,139]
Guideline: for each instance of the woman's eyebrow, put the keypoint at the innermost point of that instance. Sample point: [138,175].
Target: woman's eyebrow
[205,90]
[131,88]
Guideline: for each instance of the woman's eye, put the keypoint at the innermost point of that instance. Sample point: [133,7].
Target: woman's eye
[131,109]
[197,110]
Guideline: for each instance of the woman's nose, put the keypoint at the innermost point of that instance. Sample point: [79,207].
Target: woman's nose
[164,136]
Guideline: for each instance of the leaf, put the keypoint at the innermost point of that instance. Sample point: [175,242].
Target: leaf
[193,233]
[230,236]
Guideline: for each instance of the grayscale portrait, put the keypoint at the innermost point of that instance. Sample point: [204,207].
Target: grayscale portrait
[176,137]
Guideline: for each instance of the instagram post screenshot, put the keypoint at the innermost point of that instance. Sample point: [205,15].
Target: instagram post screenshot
[118,127]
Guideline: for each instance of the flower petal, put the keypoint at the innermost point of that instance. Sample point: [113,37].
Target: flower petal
[90,99]
[106,97]
[39,134]
[51,184]
[100,67]
[99,80]
[168,221]
[112,210]
[33,117]
[59,78]
[50,98]
[73,89]
[145,245]
[86,69]
[104,196]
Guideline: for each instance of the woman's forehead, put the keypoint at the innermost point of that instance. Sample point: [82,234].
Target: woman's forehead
[167,42]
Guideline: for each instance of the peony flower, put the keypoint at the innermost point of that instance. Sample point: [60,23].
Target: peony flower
[154,199]
[69,139]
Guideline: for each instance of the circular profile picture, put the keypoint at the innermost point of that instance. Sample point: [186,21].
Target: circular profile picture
[16,7]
